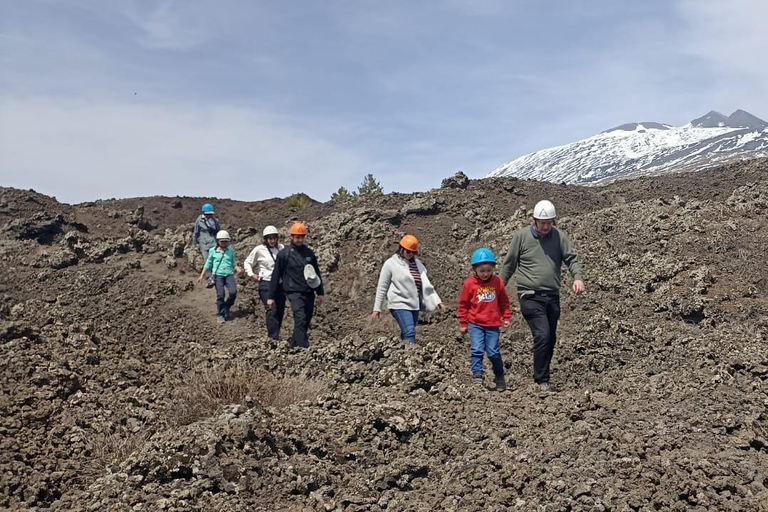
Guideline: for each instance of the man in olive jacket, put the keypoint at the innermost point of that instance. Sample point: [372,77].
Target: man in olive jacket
[535,257]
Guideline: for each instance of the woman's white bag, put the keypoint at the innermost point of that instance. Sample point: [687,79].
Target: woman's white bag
[431,299]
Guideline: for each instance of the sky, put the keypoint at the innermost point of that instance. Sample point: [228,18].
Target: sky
[250,99]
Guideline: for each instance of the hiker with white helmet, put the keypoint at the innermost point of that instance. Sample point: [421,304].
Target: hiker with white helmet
[222,265]
[204,235]
[535,257]
[259,266]
[297,275]
[483,308]
[403,281]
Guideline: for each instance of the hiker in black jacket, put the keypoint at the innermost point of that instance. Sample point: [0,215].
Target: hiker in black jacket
[296,273]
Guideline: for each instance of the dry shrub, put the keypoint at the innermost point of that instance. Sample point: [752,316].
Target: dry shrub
[108,449]
[204,392]
[297,201]
[202,395]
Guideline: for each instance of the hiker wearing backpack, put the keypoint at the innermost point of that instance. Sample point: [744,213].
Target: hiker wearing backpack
[204,236]
[535,257]
[259,266]
[404,283]
[222,265]
[297,274]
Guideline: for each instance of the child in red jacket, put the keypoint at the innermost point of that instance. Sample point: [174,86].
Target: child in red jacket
[483,308]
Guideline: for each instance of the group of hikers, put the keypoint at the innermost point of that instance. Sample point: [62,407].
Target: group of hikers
[535,257]
[281,272]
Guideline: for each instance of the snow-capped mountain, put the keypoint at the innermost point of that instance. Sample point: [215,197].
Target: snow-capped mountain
[639,149]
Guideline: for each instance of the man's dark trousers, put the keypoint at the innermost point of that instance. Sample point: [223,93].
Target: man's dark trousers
[274,316]
[303,307]
[542,311]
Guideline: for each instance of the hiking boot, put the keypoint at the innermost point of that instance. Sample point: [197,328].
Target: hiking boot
[501,383]
[220,319]
[210,283]
[545,387]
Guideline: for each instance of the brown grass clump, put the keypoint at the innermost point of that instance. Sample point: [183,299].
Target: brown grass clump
[206,391]
[202,395]
[108,449]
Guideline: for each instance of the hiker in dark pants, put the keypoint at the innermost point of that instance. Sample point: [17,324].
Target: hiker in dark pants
[204,236]
[297,274]
[259,266]
[535,257]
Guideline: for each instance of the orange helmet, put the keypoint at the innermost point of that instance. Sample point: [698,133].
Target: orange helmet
[410,243]
[298,228]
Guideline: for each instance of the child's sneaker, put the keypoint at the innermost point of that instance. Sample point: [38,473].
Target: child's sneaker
[220,319]
[477,380]
[501,383]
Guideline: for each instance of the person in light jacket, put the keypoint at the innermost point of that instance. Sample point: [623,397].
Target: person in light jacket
[204,236]
[403,281]
[259,266]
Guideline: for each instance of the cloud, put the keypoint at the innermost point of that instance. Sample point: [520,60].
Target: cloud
[731,40]
[731,35]
[285,97]
[80,150]
[162,28]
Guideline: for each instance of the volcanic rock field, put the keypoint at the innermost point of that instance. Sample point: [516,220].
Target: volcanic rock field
[119,391]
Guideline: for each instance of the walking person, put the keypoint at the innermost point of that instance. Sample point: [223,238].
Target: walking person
[403,281]
[483,308]
[204,235]
[222,265]
[535,257]
[259,266]
[297,275]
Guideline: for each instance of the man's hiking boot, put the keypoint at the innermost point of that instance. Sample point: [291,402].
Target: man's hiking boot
[545,387]
[501,383]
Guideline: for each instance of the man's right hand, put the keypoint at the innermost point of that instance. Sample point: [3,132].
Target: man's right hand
[271,304]
[255,278]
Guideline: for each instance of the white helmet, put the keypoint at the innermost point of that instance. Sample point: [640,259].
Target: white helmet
[544,210]
[222,235]
[269,230]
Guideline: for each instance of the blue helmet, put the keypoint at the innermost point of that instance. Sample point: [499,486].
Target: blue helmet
[207,208]
[482,255]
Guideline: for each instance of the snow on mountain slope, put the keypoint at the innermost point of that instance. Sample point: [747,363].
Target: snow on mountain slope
[636,149]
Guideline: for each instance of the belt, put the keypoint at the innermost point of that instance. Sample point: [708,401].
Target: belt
[534,293]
